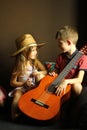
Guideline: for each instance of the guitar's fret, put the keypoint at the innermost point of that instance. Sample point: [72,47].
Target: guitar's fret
[66,70]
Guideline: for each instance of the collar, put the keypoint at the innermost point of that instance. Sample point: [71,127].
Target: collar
[75,52]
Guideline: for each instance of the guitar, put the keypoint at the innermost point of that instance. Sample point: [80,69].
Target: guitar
[41,103]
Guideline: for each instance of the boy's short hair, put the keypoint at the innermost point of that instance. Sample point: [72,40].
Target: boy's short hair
[67,33]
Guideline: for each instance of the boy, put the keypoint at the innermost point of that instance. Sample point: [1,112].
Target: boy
[67,38]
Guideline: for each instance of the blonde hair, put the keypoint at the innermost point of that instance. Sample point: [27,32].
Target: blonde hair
[21,62]
[67,33]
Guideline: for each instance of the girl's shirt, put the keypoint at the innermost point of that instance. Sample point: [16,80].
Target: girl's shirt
[28,74]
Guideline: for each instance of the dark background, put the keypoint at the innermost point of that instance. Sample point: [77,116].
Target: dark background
[41,18]
[81,22]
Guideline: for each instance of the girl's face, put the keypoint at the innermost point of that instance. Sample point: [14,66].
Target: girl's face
[63,45]
[30,53]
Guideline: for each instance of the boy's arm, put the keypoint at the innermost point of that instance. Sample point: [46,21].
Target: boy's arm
[78,79]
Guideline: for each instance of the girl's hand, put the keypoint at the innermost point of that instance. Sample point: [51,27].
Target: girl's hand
[28,83]
[35,73]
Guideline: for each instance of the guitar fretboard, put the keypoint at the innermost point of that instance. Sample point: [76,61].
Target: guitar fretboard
[64,72]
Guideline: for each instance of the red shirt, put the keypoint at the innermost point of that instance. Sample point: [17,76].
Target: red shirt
[62,60]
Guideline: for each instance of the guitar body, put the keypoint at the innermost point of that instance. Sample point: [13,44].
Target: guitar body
[40,104]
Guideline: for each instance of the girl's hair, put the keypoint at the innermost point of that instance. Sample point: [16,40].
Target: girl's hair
[21,62]
[67,33]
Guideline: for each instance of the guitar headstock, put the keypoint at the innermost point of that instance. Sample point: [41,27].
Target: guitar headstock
[84,49]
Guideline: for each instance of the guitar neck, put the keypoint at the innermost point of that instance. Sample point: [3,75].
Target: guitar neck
[65,71]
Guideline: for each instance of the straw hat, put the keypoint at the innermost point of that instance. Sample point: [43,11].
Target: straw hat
[25,41]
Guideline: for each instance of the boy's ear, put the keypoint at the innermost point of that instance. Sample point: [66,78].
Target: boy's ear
[69,42]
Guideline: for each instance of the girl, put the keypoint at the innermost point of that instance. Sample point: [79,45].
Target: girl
[28,70]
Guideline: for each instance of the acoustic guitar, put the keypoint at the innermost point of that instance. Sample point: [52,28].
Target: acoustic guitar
[41,103]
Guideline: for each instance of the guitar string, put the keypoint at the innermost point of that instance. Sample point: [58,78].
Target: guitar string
[61,76]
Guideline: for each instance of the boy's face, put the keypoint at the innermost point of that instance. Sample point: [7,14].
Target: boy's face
[63,45]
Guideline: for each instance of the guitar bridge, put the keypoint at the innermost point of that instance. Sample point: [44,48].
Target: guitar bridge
[39,103]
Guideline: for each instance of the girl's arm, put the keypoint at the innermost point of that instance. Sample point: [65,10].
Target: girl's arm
[14,82]
[41,72]
[41,67]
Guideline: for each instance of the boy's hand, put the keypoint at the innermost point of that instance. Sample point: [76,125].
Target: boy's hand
[61,88]
[53,73]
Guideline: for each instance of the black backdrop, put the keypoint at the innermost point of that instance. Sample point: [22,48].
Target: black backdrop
[82,22]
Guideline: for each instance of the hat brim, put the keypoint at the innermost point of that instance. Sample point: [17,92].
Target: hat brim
[22,49]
